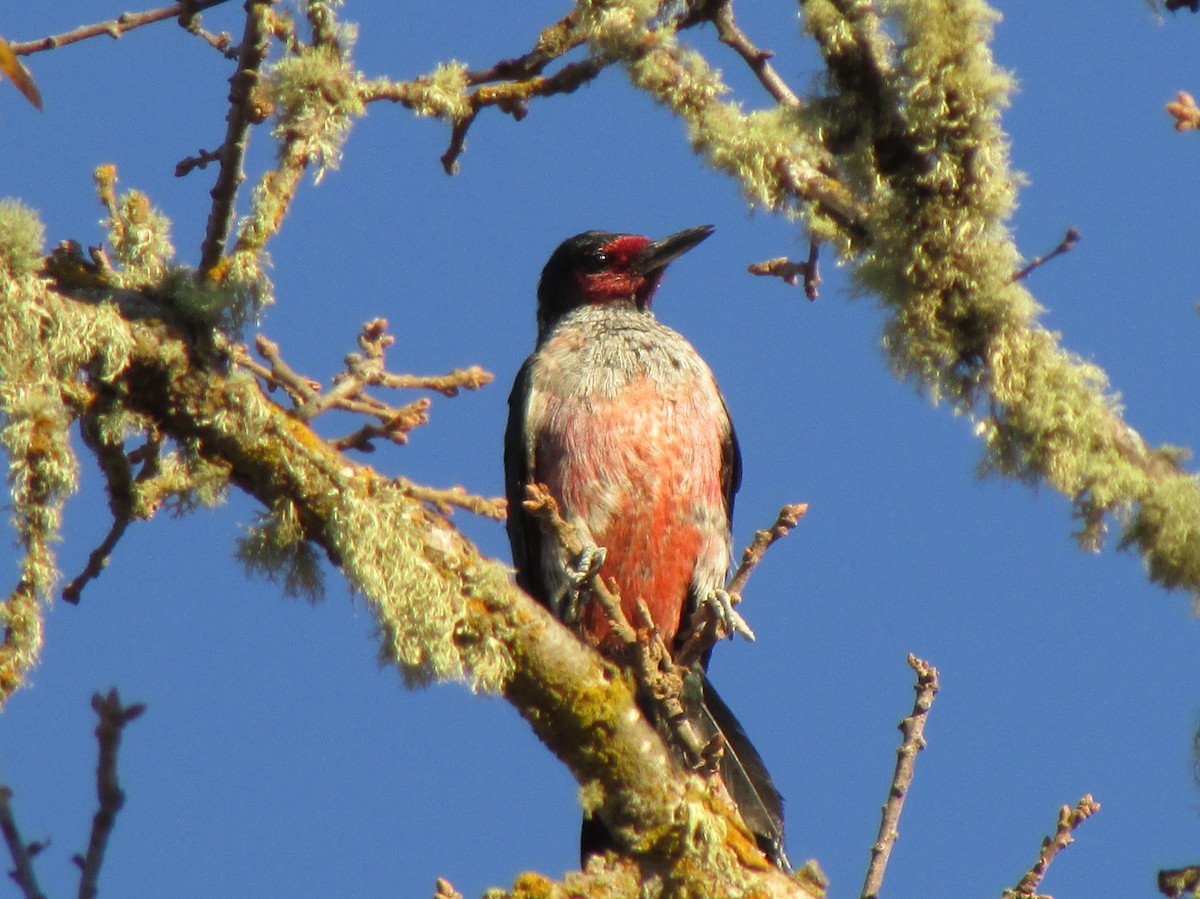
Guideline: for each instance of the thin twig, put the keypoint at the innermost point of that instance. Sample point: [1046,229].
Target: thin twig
[523,77]
[1068,819]
[913,728]
[113,28]
[703,631]
[199,161]
[348,391]
[789,516]
[444,500]
[113,718]
[511,96]
[20,851]
[222,43]
[540,503]
[791,272]
[298,387]
[394,426]
[447,385]
[251,55]
[97,559]
[553,42]
[732,36]
[120,482]
[1067,245]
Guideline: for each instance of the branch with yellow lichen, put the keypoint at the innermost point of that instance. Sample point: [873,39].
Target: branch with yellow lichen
[927,235]
[445,612]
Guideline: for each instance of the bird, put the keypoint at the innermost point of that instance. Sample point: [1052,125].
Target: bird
[621,418]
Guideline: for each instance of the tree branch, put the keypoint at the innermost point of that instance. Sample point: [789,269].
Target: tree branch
[348,391]
[113,28]
[758,60]
[22,853]
[1068,820]
[113,718]
[444,611]
[703,632]
[252,54]
[660,680]
[1065,246]
[913,728]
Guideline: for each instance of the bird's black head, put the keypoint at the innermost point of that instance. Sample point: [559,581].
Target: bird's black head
[599,267]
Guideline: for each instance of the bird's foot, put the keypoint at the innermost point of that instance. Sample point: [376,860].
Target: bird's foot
[587,566]
[718,607]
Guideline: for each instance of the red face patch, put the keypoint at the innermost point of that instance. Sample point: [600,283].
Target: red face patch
[616,280]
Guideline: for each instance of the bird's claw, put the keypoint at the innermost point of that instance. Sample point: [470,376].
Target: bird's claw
[719,604]
[587,566]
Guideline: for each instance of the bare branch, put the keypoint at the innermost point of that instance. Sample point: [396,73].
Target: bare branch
[705,628]
[511,96]
[113,718]
[541,503]
[445,500]
[447,385]
[395,423]
[97,559]
[348,391]
[299,388]
[554,42]
[251,55]
[789,516]
[113,28]
[22,853]
[222,43]
[1065,246]
[913,728]
[1068,819]
[792,272]
[200,161]
[732,36]
[118,479]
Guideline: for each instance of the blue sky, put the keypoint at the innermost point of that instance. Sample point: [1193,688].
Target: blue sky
[277,758]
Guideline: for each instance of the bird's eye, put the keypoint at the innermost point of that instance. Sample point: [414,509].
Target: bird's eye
[600,259]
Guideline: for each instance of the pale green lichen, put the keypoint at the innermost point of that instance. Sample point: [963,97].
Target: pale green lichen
[275,547]
[226,305]
[412,569]
[22,237]
[140,236]
[756,148]
[443,93]
[912,116]
[316,99]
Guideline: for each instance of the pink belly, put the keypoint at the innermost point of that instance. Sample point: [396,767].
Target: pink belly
[642,472]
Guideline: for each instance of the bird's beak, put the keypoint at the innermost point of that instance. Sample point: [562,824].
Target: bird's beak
[658,254]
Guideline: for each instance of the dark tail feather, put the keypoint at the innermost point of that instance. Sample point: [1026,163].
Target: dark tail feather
[746,777]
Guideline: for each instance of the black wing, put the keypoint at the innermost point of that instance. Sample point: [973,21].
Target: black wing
[731,466]
[524,533]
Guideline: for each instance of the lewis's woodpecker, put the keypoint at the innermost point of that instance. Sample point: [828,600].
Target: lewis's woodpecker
[620,417]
